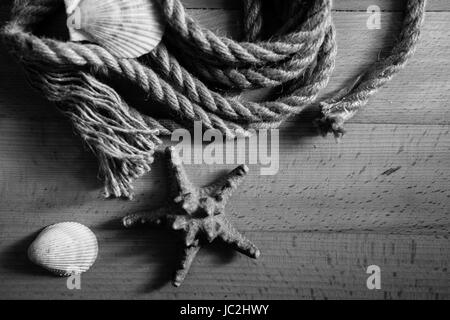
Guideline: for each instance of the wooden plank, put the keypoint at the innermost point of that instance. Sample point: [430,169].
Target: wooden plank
[138,265]
[381,178]
[347,5]
[380,197]
[419,94]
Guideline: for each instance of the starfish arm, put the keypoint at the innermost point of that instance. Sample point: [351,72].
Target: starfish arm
[191,235]
[230,235]
[180,184]
[178,222]
[189,255]
[223,188]
[148,217]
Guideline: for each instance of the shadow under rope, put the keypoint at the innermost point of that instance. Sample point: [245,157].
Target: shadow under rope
[45,127]
[49,133]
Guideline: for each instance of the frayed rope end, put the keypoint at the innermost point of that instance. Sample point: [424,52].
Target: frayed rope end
[330,124]
[334,116]
[119,175]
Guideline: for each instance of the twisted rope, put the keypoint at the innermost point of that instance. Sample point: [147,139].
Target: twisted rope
[253,19]
[299,58]
[345,105]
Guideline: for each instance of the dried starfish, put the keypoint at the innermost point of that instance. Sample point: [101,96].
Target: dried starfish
[198,212]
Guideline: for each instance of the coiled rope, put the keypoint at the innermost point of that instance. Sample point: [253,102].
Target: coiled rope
[299,58]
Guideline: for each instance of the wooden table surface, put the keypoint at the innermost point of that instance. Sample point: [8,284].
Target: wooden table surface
[381,197]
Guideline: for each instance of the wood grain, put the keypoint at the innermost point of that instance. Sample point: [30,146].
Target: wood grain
[138,265]
[346,5]
[320,186]
[381,197]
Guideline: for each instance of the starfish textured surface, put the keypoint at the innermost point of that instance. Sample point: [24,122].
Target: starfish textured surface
[199,213]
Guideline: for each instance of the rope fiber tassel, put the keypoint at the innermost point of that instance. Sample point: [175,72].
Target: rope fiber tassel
[192,73]
[117,135]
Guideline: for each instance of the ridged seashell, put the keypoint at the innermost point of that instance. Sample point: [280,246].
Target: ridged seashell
[126,28]
[64,248]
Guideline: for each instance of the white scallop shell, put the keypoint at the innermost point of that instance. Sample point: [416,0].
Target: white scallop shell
[64,248]
[126,28]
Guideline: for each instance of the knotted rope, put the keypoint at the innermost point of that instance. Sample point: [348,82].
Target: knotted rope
[298,59]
